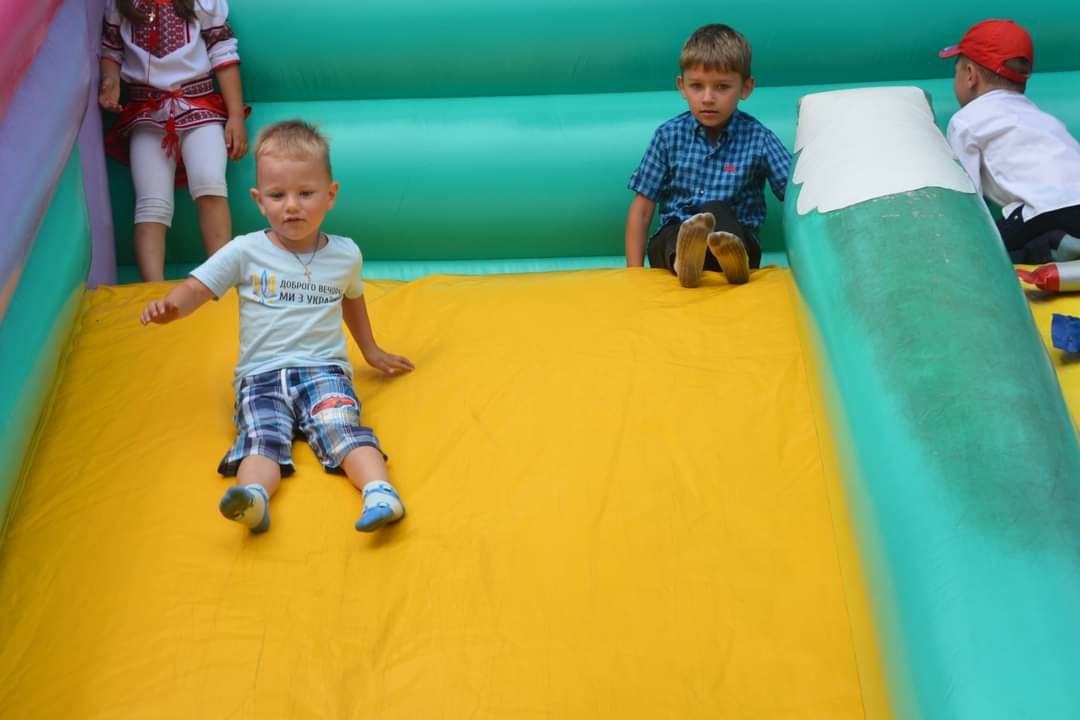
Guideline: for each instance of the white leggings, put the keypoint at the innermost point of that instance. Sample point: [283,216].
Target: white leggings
[203,150]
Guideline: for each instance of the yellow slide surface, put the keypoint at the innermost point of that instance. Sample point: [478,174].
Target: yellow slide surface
[1043,306]
[621,504]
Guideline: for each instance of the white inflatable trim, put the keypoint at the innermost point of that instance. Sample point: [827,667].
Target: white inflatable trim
[857,145]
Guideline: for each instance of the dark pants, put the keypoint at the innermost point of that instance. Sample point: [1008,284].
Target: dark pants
[1031,242]
[661,249]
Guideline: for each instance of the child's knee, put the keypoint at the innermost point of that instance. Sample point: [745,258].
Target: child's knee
[207,184]
[268,443]
[271,442]
[333,438]
[154,209]
[205,160]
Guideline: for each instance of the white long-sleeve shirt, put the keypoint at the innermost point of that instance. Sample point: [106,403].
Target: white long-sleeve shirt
[1016,154]
[170,51]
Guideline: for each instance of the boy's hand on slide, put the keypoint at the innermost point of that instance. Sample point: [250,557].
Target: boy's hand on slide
[160,312]
[388,363]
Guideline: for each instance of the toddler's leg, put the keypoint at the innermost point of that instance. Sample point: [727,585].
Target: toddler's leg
[149,242]
[215,222]
[366,470]
[1016,234]
[152,174]
[690,249]
[330,419]
[248,501]
[205,158]
[1068,249]
[261,450]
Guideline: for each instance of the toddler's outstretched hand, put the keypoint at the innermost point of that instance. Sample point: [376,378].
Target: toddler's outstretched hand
[387,362]
[160,312]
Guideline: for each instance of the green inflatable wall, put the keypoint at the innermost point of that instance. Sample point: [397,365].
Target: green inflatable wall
[500,136]
[495,131]
[345,50]
[962,465]
[38,321]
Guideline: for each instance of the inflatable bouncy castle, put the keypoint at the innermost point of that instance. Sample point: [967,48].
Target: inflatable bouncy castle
[847,489]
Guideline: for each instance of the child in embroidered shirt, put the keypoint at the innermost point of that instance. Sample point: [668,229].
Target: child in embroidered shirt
[706,168]
[295,285]
[175,127]
[1020,157]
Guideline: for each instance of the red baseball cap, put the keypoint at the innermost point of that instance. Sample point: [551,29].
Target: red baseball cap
[991,43]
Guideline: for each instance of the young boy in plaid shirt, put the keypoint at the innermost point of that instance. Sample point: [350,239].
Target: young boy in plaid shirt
[707,169]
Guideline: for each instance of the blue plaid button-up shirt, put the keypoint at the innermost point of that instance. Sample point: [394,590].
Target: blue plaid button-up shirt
[681,171]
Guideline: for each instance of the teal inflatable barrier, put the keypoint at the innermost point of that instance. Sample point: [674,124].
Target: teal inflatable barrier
[474,178]
[38,321]
[962,462]
[496,131]
[464,179]
[499,136]
[497,178]
[347,50]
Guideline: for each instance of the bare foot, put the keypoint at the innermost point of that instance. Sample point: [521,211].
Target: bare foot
[730,252]
[690,248]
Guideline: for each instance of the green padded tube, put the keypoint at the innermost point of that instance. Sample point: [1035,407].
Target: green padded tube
[413,269]
[347,50]
[963,467]
[498,178]
[38,321]
[465,179]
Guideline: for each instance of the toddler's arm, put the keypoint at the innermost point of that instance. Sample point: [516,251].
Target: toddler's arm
[637,227]
[182,300]
[112,57]
[648,182]
[109,90]
[236,140]
[356,317]
[778,165]
[223,49]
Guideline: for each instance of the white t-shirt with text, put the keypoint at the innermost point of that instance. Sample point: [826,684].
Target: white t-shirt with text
[286,319]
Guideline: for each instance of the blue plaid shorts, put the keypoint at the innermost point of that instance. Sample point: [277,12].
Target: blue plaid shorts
[318,403]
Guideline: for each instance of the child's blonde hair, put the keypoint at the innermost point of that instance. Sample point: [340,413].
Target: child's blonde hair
[293,139]
[717,47]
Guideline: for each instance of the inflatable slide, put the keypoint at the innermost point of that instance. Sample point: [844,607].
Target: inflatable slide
[846,489]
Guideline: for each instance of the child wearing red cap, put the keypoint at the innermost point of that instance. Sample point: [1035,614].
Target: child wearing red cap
[1018,156]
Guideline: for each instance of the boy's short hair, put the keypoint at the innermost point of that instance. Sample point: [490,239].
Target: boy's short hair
[1020,66]
[293,139]
[716,47]
[1000,50]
